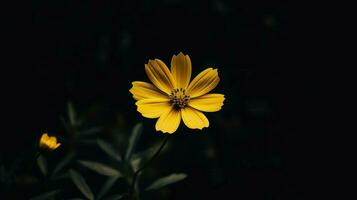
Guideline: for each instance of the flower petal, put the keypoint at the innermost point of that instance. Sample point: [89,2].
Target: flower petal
[169,121]
[52,145]
[160,75]
[193,118]
[203,83]
[44,137]
[54,139]
[181,69]
[153,108]
[207,102]
[143,90]
[58,144]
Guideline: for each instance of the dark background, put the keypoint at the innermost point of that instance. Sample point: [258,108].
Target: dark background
[284,69]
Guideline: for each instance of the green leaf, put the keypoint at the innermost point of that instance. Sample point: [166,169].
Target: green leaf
[64,162]
[143,156]
[71,114]
[100,168]
[42,164]
[146,154]
[114,197]
[167,180]
[65,124]
[46,195]
[106,187]
[90,131]
[135,163]
[109,149]
[81,184]
[134,138]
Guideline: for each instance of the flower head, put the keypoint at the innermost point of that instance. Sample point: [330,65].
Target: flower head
[48,143]
[173,97]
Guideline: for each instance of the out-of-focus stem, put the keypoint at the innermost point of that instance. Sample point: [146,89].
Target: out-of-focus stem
[132,187]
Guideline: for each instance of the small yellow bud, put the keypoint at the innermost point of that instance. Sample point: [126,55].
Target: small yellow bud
[48,143]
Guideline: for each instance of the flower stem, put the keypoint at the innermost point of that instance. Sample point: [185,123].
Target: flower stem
[131,191]
[38,153]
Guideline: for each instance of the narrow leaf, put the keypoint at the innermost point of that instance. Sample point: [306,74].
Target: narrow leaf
[90,131]
[114,197]
[134,138]
[64,162]
[167,180]
[81,184]
[71,114]
[42,164]
[106,187]
[65,124]
[135,163]
[46,195]
[142,157]
[100,168]
[109,149]
[146,154]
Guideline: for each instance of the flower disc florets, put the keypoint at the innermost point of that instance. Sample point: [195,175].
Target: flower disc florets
[179,98]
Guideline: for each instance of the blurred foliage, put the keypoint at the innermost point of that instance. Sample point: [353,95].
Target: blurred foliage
[118,172]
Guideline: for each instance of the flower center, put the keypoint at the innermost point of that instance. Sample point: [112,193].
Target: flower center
[179,98]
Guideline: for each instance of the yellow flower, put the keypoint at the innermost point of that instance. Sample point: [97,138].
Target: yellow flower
[48,143]
[172,96]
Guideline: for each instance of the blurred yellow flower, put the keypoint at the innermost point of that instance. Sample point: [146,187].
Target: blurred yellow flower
[173,97]
[48,143]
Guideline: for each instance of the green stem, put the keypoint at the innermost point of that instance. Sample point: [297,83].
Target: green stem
[131,191]
[38,153]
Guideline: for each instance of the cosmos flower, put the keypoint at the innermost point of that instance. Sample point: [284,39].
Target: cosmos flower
[173,97]
[48,143]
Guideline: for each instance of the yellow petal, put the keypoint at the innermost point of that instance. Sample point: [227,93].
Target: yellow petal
[203,83]
[44,137]
[58,144]
[207,102]
[43,140]
[50,145]
[169,121]
[160,75]
[143,90]
[53,145]
[193,118]
[54,139]
[153,108]
[181,69]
